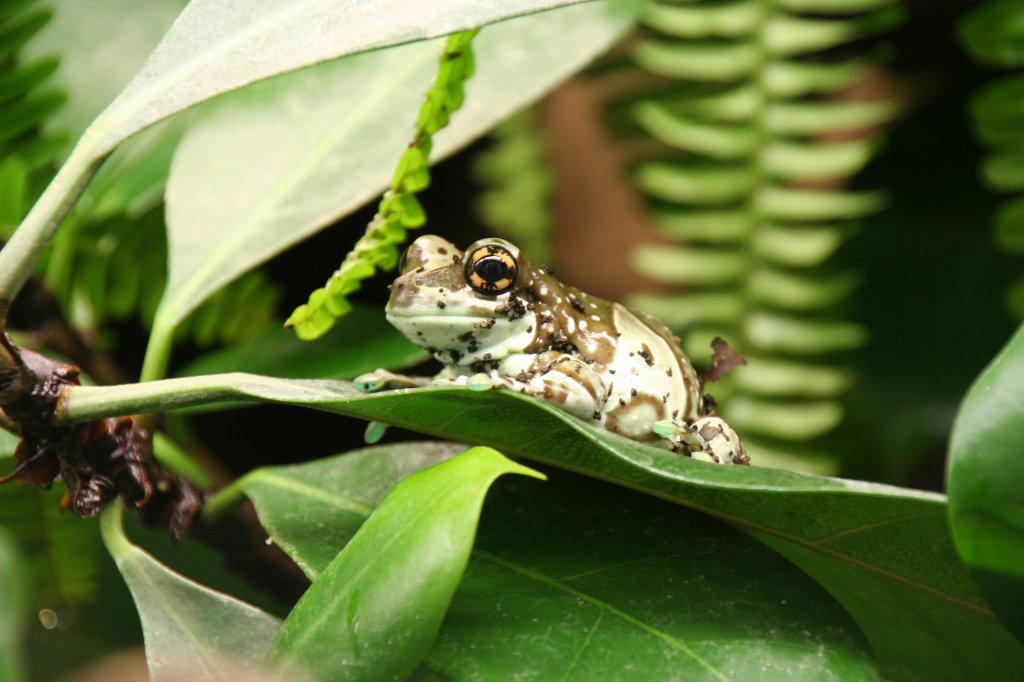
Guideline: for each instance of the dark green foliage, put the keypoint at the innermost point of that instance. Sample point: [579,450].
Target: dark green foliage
[994,35]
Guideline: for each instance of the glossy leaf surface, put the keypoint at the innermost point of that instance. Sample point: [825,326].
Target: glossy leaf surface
[374,611]
[986,502]
[191,631]
[885,552]
[576,579]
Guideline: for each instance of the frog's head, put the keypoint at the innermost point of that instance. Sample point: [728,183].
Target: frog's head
[462,306]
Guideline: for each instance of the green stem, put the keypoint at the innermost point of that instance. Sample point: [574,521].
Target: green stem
[175,458]
[222,502]
[158,350]
[18,258]
[85,403]
[112,530]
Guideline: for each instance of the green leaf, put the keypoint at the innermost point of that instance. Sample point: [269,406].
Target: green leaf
[587,579]
[798,246]
[994,32]
[884,552]
[680,311]
[821,118]
[191,631]
[998,110]
[1010,226]
[339,491]
[15,588]
[769,376]
[317,144]
[785,204]
[362,342]
[731,20]
[230,46]
[717,63]
[688,265]
[770,332]
[710,185]
[788,35]
[375,610]
[986,503]
[102,44]
[815,161]
[717,140]
[779,419]
[784,78]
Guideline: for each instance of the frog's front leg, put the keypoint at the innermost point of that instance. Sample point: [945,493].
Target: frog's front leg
[568,383]
[383,380]
[712,437]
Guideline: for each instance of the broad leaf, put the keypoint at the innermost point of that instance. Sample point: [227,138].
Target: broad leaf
[986,502]
[362,342]
[884,552]
[375,610]
[278,161]
[583,580]
[291,501]
[191,632]
[220,45]
[15,588]
[102,44]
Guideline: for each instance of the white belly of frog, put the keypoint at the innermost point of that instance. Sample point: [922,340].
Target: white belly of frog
[494,319]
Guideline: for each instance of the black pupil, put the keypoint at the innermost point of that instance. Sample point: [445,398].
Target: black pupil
[491,269]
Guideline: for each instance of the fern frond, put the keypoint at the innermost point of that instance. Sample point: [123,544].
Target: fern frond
[62,549]
[757,146]
[399,210]
[991,34]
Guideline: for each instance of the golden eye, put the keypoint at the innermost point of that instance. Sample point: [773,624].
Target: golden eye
[491,269]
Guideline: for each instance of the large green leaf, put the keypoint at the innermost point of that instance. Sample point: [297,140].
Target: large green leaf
[278,161]
[374,611]
[363,342]
[986,502]
[340,490]
[583,580]
[219,45]
[884,552]
[15,588]
[102,44]
[191,631]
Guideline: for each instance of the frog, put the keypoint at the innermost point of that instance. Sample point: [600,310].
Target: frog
[492,318]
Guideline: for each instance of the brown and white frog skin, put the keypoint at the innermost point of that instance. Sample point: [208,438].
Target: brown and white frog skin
[492,317]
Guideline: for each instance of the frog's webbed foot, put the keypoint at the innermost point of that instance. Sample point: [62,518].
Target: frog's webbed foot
[709,438]
[383,380]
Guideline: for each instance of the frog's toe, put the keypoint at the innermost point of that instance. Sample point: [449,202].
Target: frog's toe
[370,382]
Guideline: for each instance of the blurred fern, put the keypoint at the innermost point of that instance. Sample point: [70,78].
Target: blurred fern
[993,36]
[518,185]
[755,147]
[62,551]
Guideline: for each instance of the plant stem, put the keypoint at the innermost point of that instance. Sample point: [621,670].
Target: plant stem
[158,349]
[175,458]
[18,257]
[85,403]
[222,502]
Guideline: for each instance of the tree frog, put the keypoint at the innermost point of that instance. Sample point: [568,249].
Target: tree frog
[493,318]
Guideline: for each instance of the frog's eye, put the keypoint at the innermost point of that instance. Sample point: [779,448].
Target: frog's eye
[491,268]
[403,260]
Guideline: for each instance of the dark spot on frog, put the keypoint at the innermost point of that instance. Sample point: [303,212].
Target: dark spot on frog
[443,251]
[456,258]
[632,392]
[455,355]
[529,330]
[668,371]
[487,324]
[664,398]
[513,309]
[547,269]
[442,305]
[466,337]
[622,403]
[577,305]
[597,416]
[646,354]
[709,402]
[675,414]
